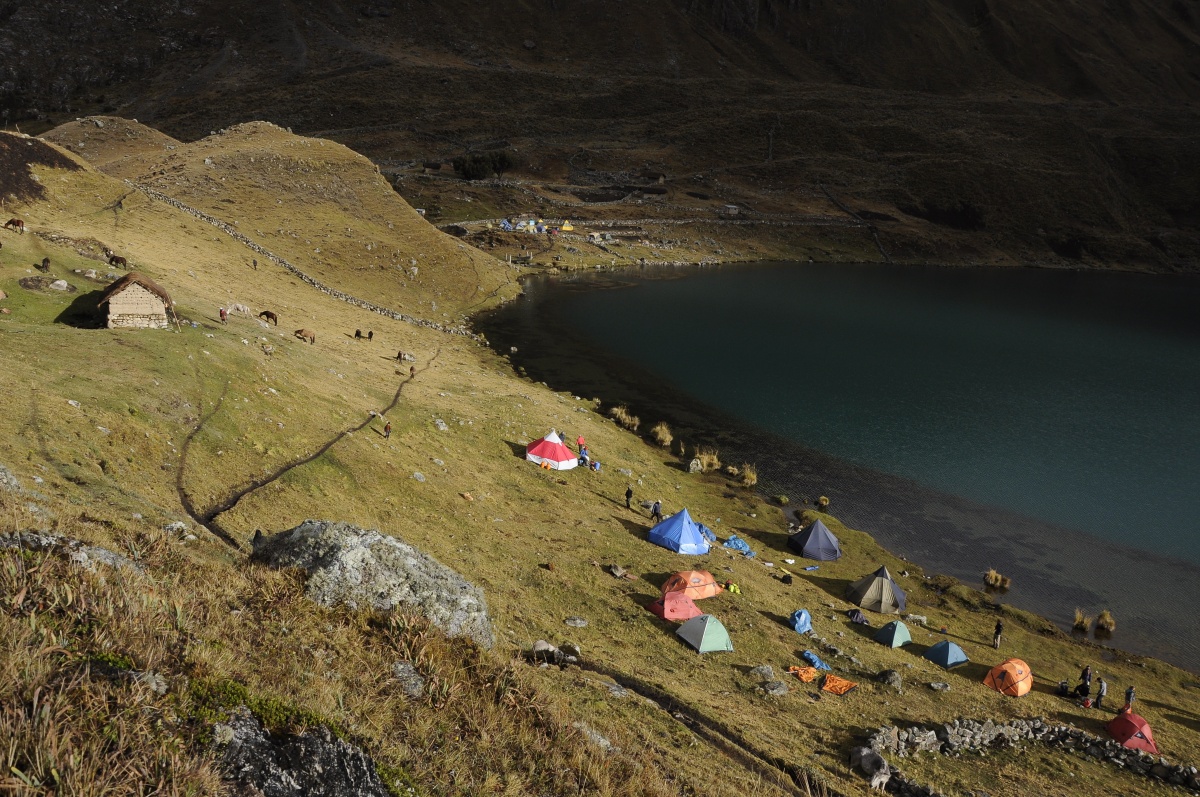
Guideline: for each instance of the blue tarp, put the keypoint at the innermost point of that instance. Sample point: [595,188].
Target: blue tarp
[814,660]
[706,532]
[801,622]
[680,533]
[738,544]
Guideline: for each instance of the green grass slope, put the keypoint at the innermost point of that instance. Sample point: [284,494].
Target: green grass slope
[117,433]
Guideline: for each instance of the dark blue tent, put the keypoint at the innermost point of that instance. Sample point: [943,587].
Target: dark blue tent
[815,541]
[680,533]
[946,654]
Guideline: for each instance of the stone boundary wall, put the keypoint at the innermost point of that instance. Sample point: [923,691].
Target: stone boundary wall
[345,297]
[974,736]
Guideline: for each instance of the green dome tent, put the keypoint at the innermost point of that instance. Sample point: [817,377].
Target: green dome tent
[877,593]
[706,634]
[894,635]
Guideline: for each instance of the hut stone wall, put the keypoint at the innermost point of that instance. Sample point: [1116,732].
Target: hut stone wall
[138,308]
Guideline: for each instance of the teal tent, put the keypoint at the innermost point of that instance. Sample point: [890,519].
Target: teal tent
[946,654]
[706,634]
[894,635]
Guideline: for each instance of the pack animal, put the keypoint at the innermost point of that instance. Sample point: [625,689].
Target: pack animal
[370,335]
[15,224]
[116,260]
[240,309]
[45,265]
[306,334]
[872,765]
[358,335]
[267,315]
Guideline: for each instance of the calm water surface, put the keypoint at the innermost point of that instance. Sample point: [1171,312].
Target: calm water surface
[1046,423]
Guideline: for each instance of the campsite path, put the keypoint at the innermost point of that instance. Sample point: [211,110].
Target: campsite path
[209,518]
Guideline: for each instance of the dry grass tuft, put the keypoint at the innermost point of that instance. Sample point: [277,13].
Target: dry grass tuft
[995,580]
[661,434]
[822,503]
[710,458]
[1082,621]
[1106,622]
[624,419]
[749,475]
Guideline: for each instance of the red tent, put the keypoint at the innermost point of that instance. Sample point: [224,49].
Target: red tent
[675,606]
[1132,731]
[550,452]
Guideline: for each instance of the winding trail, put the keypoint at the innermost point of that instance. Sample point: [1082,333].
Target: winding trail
[209,518]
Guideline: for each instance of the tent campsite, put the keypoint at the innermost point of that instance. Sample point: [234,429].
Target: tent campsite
[815,541]
[696,584]
[706,634]
[946,654]
[894,635]
[1132,731]
[1011,677]
[550,452]
[877,593]
[675,606]
[681,534]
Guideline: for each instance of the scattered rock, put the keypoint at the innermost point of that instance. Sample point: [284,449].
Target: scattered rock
[60,285]
[441,425]
[74,403]
[9,482]
[892,679]
[529,44]
[178,527]
[86,556]
[775,688]
[576,622]
[940,686]
[570,649]
[314,763]
[410,680]
[595,737]
[354,566]
[543,651]
[155,682]
[695,466]
[764,671]
[419,476]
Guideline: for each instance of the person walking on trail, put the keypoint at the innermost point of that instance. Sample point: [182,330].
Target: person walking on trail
[628,496]
[996,634]
[1101,692]
[387,430]
[656,511]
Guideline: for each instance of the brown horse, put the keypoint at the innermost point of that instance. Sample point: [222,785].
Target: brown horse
[15,224]
[358,334]
[269,316]
[117,260]
[45,266]
[306,334]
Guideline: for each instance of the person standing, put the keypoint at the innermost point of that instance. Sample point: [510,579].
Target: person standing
[629,496]
[387,430]
[1129,698]
[1085,677]
[1101,692]
[996,634]
[656,511]
[224,316]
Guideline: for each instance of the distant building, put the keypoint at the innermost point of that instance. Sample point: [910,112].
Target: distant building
[729,210]
[653,176]
[137,301]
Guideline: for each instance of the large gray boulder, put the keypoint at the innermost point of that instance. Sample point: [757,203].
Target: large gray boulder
[363,567]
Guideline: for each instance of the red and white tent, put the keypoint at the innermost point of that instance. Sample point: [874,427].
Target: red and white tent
[551,451]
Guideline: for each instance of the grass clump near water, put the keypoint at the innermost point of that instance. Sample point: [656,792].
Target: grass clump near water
[661,434]
[1105,622]
[709,457]
[1082,621]
[994,580]
[748,475]
[624,418]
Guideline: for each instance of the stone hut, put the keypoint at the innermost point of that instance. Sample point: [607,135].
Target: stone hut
[137,301]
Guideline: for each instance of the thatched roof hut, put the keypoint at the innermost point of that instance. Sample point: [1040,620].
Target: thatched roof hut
[137,301]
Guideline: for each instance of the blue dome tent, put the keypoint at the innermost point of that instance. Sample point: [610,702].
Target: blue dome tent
[681,534]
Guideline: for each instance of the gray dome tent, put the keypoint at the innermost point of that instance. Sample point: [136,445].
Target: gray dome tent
[815,541]
[877,593]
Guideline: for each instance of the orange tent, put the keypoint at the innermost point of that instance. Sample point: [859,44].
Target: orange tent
[696,584]
[1012,677]
[675,606]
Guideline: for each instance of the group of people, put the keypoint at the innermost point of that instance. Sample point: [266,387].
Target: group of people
[1084,691]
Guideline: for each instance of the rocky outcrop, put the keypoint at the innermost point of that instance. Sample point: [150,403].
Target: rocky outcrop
[363,567]
[86,556]
[311,764]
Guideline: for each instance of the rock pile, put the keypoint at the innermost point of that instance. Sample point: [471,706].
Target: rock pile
[363,567]
[86,556]
[964,735]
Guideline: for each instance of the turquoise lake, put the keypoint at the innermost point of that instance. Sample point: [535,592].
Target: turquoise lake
[1046,423]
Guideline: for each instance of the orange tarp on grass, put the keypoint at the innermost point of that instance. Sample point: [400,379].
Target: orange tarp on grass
[839,686]
[806,674]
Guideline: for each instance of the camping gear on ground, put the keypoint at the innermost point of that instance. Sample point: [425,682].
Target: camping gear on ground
[549,452]
[946,654]
[1132,731]
[877,593]
[696,584]
[1064,689]
[894,635]
[1011,677]
[734,588]
[675,606]
[813,567]
[801,621]
[736,543]
[1082,690]
[814,660]
[806,674]
[856,616]
[706,634]
[815,541]
[839,686]
[679,533]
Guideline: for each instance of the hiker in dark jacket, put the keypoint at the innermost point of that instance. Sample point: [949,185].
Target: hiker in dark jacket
[996,634]
[628,496]
[656,512]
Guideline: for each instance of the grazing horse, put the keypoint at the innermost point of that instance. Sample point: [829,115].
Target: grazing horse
[269,316]
[45,265]
[117,260]
[306,334]
[15,224]
[370,335]
[358,334]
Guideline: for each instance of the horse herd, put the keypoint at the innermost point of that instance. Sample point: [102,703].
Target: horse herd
[18,225]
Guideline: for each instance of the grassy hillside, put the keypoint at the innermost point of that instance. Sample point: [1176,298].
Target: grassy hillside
[201,416]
